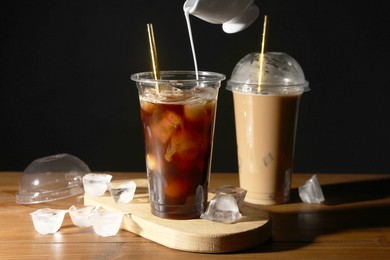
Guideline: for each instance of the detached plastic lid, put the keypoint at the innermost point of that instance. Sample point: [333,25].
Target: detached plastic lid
[51,178]
[281,75]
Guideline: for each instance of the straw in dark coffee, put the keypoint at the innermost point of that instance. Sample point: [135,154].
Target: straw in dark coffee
[153,53]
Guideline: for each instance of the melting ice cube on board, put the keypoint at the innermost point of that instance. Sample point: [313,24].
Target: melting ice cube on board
[237,193]
[222,208]
[122,191]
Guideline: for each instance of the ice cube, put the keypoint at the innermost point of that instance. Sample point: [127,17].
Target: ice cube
[222,208]
[48,221]
[196,112]
[81,217]
[106,222]
[184,144]
[237,193]
[122,191]
[172,119]
[148,107]
[167,126]
[95,184]
[170,92]
[311,192]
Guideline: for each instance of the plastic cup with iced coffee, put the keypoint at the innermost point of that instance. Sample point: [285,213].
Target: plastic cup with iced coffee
[266,91]
[178,116]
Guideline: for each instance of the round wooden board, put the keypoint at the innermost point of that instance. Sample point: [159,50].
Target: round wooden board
[194,235]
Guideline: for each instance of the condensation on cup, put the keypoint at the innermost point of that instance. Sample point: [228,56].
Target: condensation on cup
[266,104]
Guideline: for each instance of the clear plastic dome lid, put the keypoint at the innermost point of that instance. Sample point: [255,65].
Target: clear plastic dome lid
[280,74]
[51,178]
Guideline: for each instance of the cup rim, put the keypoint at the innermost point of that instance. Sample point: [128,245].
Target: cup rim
[167,76]
[250,88]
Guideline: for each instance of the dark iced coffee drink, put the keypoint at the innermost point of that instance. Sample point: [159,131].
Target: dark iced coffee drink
[178,121]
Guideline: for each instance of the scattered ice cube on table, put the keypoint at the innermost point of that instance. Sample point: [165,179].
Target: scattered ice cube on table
[81,217]
[106,222]
[122,191]
[237,193]
[222,208]
[48,221]
[95,184]
[311,191]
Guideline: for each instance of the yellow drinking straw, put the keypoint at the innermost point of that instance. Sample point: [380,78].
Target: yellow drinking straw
[262,52]
[153,53]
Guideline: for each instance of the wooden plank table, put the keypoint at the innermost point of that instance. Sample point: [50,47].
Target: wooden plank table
[353,223]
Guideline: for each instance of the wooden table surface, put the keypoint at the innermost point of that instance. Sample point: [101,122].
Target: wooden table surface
[353,223]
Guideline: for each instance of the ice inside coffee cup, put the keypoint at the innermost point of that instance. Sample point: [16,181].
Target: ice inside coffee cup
[266,92]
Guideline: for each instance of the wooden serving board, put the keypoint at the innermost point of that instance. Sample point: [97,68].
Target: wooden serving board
[194,235]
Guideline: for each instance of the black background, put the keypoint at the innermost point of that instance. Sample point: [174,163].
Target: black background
[65,87]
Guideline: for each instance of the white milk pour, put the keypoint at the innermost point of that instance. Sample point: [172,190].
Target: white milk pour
[187,15]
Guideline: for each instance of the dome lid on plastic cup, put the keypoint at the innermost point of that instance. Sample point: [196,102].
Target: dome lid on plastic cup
[51,178]
[280,74]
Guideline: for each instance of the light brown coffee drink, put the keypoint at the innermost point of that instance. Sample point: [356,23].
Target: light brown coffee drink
[265,128]
[266,117]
